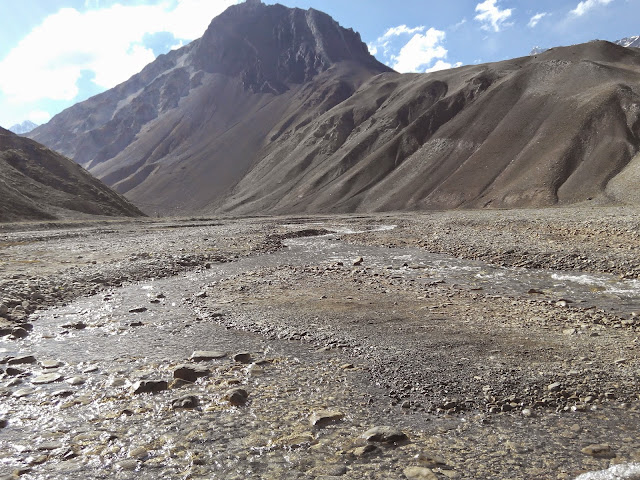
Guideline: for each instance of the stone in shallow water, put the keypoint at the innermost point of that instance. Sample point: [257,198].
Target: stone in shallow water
[23,392]
[419,473]
[384,435]
[188,401]
[47,378]
[204,355]
[602,450]
[325,417]
[149,386]
[25,359]
[51,364]
[190,373]
[76,381]
[243,357]
[237,396]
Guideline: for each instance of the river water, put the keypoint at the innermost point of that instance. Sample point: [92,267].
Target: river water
[87,424]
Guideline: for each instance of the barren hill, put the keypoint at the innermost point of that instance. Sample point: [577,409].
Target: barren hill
[186,129]
[280,110]
[39,184]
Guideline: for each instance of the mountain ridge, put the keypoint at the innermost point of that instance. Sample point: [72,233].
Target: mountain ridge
[278,110]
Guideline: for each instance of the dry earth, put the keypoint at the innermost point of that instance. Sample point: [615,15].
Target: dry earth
[485,385]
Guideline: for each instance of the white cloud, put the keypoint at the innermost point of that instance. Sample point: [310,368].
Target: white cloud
[536,18]
[442,65]
[420,51]
[50,60]
[39,116]
[584,7]
[402,30]
[491,17]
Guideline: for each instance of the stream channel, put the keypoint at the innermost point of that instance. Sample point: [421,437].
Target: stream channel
[71,413]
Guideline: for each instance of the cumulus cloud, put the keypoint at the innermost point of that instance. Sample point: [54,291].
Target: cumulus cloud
[107,42]
[418,53]
[401,30]
[536,18]
[39,116]
[491,17]
[584,7]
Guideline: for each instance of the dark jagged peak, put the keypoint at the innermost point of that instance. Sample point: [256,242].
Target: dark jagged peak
[271,46]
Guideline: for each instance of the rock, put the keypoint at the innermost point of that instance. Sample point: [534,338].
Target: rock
[138,310]
[14,372]
[128,465]
[46,364]
[385,435]
[362,451]
[23,392]
[204,355]
[330,471]
[358,261]
[19,332]
[554,387]
[149,386]
[243,357]
[76,381]
[47,378]
[430,461]
[419,473]
[237,396]
[188,401]
[601,450]
[190,373]
[26,359]
[325,417]
[76,325]
[201,295]
[3,309]
[3,422]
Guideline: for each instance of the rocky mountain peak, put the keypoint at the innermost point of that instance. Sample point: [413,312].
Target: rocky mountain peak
[271,46]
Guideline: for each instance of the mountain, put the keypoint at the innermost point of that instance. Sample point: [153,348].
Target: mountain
[278,110]
[558,128]
[630,42]
[182,132]
[39,184]
[22,128]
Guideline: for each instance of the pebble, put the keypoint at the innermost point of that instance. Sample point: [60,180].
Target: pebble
[149,386]
[237,396]
[138,310]
[26,359]
[384,434]
[602,450]
[190,373]
[3,422]
[76,381]
[325,417]
[204,355]
[47,378]
[419,473]
[47,364]
[243,357]
[188,401]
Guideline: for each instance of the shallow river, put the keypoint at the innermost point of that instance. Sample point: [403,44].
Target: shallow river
[85,422]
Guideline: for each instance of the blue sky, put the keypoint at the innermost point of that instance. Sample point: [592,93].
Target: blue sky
[54,53]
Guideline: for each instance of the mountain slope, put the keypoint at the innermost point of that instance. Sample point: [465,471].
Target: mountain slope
[39,184]
[183,131]
[560,127]
[630,42]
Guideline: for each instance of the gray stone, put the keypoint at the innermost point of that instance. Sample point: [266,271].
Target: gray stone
[47,378]
[204,355]
[243,357]
[190,373]
[419,473]
[385,435]
[325,417]
[3,422]
[51,364]
[602,450]
[237,396]
[25,359]
[149,386]
[188,401]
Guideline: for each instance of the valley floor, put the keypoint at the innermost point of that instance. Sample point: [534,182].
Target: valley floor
[503,344]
